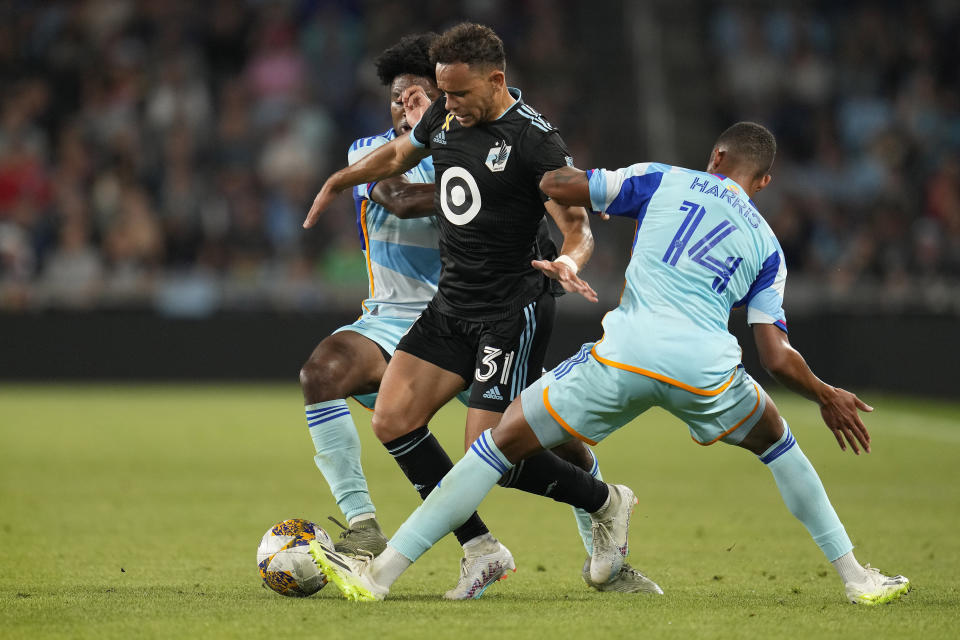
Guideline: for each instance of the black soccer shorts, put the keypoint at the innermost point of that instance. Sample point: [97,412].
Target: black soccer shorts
[499,358]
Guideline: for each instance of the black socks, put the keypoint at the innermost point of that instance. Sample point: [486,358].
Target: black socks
[424,462]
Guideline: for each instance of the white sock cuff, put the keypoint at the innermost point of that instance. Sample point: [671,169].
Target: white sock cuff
[360,518]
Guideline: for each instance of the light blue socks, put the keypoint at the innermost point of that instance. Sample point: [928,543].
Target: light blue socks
[804,495]
[338,455]
[453,501]
[584,523]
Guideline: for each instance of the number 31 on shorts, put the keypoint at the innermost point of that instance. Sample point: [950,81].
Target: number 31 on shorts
[489,365]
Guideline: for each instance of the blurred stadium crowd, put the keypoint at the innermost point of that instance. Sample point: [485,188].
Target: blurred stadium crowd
[162,153]
[865,101]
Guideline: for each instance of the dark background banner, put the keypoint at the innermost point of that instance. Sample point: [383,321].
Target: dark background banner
[902,353]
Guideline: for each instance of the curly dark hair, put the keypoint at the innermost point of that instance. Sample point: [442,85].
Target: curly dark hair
[469,43]
[410,55]
[749,143]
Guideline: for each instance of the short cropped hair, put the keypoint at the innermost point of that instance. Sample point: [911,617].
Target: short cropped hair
[749,144]
[410,55]
[471,44]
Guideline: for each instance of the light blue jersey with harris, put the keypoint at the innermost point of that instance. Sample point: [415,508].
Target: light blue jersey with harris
[701,248]
[403,261]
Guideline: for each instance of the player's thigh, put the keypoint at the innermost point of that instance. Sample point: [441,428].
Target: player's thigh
[510,354]
[584,399]
[345,363]
[385,332]
[727,415]
[411,392]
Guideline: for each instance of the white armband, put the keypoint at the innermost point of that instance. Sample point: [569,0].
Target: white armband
[570,262]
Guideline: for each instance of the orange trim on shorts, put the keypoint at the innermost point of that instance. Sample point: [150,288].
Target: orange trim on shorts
[660,377]
[561,421]
[736,426]
[366,243]
[361,405]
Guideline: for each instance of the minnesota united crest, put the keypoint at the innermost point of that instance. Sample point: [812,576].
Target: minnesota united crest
[498,156]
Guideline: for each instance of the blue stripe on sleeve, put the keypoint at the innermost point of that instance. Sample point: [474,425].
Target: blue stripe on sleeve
[635,194]
[768,273]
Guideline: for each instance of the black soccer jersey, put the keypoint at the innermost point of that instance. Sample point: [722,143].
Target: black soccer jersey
[491,207]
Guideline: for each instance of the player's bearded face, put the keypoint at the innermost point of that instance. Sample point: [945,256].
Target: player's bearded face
[470,93]
[399,85]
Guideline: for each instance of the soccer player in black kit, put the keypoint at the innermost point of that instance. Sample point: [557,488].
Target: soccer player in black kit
[492,316]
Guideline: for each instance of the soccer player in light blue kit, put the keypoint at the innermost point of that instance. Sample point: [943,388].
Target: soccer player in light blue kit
[399,238]
[700,249]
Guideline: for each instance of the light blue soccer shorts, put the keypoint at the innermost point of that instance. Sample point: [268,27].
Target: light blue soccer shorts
[386,332]
[586,399]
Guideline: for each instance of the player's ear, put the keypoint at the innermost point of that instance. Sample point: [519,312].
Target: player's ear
[497,78]
[763,182]
[716,157]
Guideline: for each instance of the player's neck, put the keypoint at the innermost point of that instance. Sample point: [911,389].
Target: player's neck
[502,104]
[745,180]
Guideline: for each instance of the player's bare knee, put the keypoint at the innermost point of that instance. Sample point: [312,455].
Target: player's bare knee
[576,453]
[514,437]
[389,425]
[322,379]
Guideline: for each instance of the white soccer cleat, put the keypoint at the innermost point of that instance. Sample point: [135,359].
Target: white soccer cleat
[611,528]
[350,574]
[479,571]
[876,588]
[627,580]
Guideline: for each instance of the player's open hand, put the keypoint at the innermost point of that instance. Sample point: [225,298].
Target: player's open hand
[321,202]
[563,274]
[415,103]
[840,411]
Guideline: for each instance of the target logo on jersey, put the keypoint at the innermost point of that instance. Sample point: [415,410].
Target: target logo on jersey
[459,196]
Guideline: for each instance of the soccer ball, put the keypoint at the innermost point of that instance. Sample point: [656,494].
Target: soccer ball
[284,559]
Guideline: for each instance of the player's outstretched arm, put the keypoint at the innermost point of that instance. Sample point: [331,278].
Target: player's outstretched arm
[838,407]
[577,248]
[567,186]
[391,159]
[403,198]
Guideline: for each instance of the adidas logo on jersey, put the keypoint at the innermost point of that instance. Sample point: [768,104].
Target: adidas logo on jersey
[493,394]
[440,138]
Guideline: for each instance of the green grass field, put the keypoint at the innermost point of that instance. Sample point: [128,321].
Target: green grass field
[135,511]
